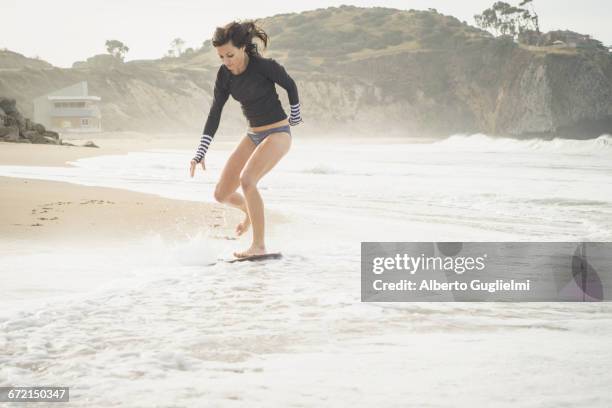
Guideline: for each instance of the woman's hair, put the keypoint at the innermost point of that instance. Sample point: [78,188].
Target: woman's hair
[241,35]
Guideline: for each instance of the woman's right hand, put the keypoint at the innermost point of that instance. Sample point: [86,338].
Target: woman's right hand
[194,164]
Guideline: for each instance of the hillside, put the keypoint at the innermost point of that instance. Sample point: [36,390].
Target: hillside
[10,60]
[362,69]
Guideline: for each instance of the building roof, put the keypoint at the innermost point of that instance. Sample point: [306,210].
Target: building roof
[78,91]
[74,98]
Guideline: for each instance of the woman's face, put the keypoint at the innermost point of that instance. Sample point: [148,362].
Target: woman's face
[233,58]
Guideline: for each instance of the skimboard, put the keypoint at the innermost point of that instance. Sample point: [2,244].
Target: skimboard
[254,258]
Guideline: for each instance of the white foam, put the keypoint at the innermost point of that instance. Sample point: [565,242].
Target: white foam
[151,322]
[479,142]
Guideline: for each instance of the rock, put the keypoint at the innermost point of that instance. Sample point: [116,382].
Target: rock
[50,140]
[12,115]
[29,134]
[8,105]
[66,143]
[38,138]
[10,133]
[50,133]
[11,121]
[89,143]
[15,128]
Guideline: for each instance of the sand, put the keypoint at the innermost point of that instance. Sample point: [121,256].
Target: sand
[49,210]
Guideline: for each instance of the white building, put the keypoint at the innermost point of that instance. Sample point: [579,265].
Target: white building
[69,109]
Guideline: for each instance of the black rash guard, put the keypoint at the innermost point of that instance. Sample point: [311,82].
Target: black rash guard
[254,89]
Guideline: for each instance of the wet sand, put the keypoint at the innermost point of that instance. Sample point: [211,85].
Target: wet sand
[33,210]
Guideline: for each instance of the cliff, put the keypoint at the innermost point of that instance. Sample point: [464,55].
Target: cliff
[361,70]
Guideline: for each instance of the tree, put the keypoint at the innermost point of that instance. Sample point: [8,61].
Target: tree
[505,19]
[177,44]
[116,48]
[531,17]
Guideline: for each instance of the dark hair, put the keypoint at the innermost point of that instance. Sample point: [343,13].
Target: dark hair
[241,35]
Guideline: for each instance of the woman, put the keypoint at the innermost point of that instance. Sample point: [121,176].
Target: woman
[250,79]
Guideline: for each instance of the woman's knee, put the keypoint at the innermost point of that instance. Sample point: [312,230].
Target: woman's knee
[248,182]
[221,194]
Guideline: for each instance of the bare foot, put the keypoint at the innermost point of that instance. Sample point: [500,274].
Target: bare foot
[243,226]
[253,250]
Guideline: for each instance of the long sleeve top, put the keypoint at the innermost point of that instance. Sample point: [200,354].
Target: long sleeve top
[254,89]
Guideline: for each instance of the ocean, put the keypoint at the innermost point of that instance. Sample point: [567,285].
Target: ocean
[153,323]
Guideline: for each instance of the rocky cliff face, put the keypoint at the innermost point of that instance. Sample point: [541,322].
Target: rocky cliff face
[429,74]
[15,128]
[557,93]
[492,87]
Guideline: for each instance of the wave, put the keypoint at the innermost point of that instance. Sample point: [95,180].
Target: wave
[483,143]
[564,202]
[321,169]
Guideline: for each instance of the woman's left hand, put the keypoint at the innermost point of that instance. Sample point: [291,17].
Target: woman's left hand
[193,166]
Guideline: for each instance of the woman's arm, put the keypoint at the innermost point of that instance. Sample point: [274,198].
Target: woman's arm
[277,73]
[220,95]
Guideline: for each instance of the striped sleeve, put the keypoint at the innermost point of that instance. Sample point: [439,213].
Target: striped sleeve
[296,116]
[202,148]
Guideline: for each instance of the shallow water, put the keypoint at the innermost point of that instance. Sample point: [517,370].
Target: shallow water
[152,325]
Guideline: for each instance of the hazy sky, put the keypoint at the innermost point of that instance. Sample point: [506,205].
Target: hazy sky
[64,31]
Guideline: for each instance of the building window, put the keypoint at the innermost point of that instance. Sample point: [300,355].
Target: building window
[69,104]
[84,122]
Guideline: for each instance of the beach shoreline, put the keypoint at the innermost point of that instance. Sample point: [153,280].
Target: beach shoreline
[54,211]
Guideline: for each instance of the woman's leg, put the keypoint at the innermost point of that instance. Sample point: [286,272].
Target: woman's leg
[225,191]
[266,156]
